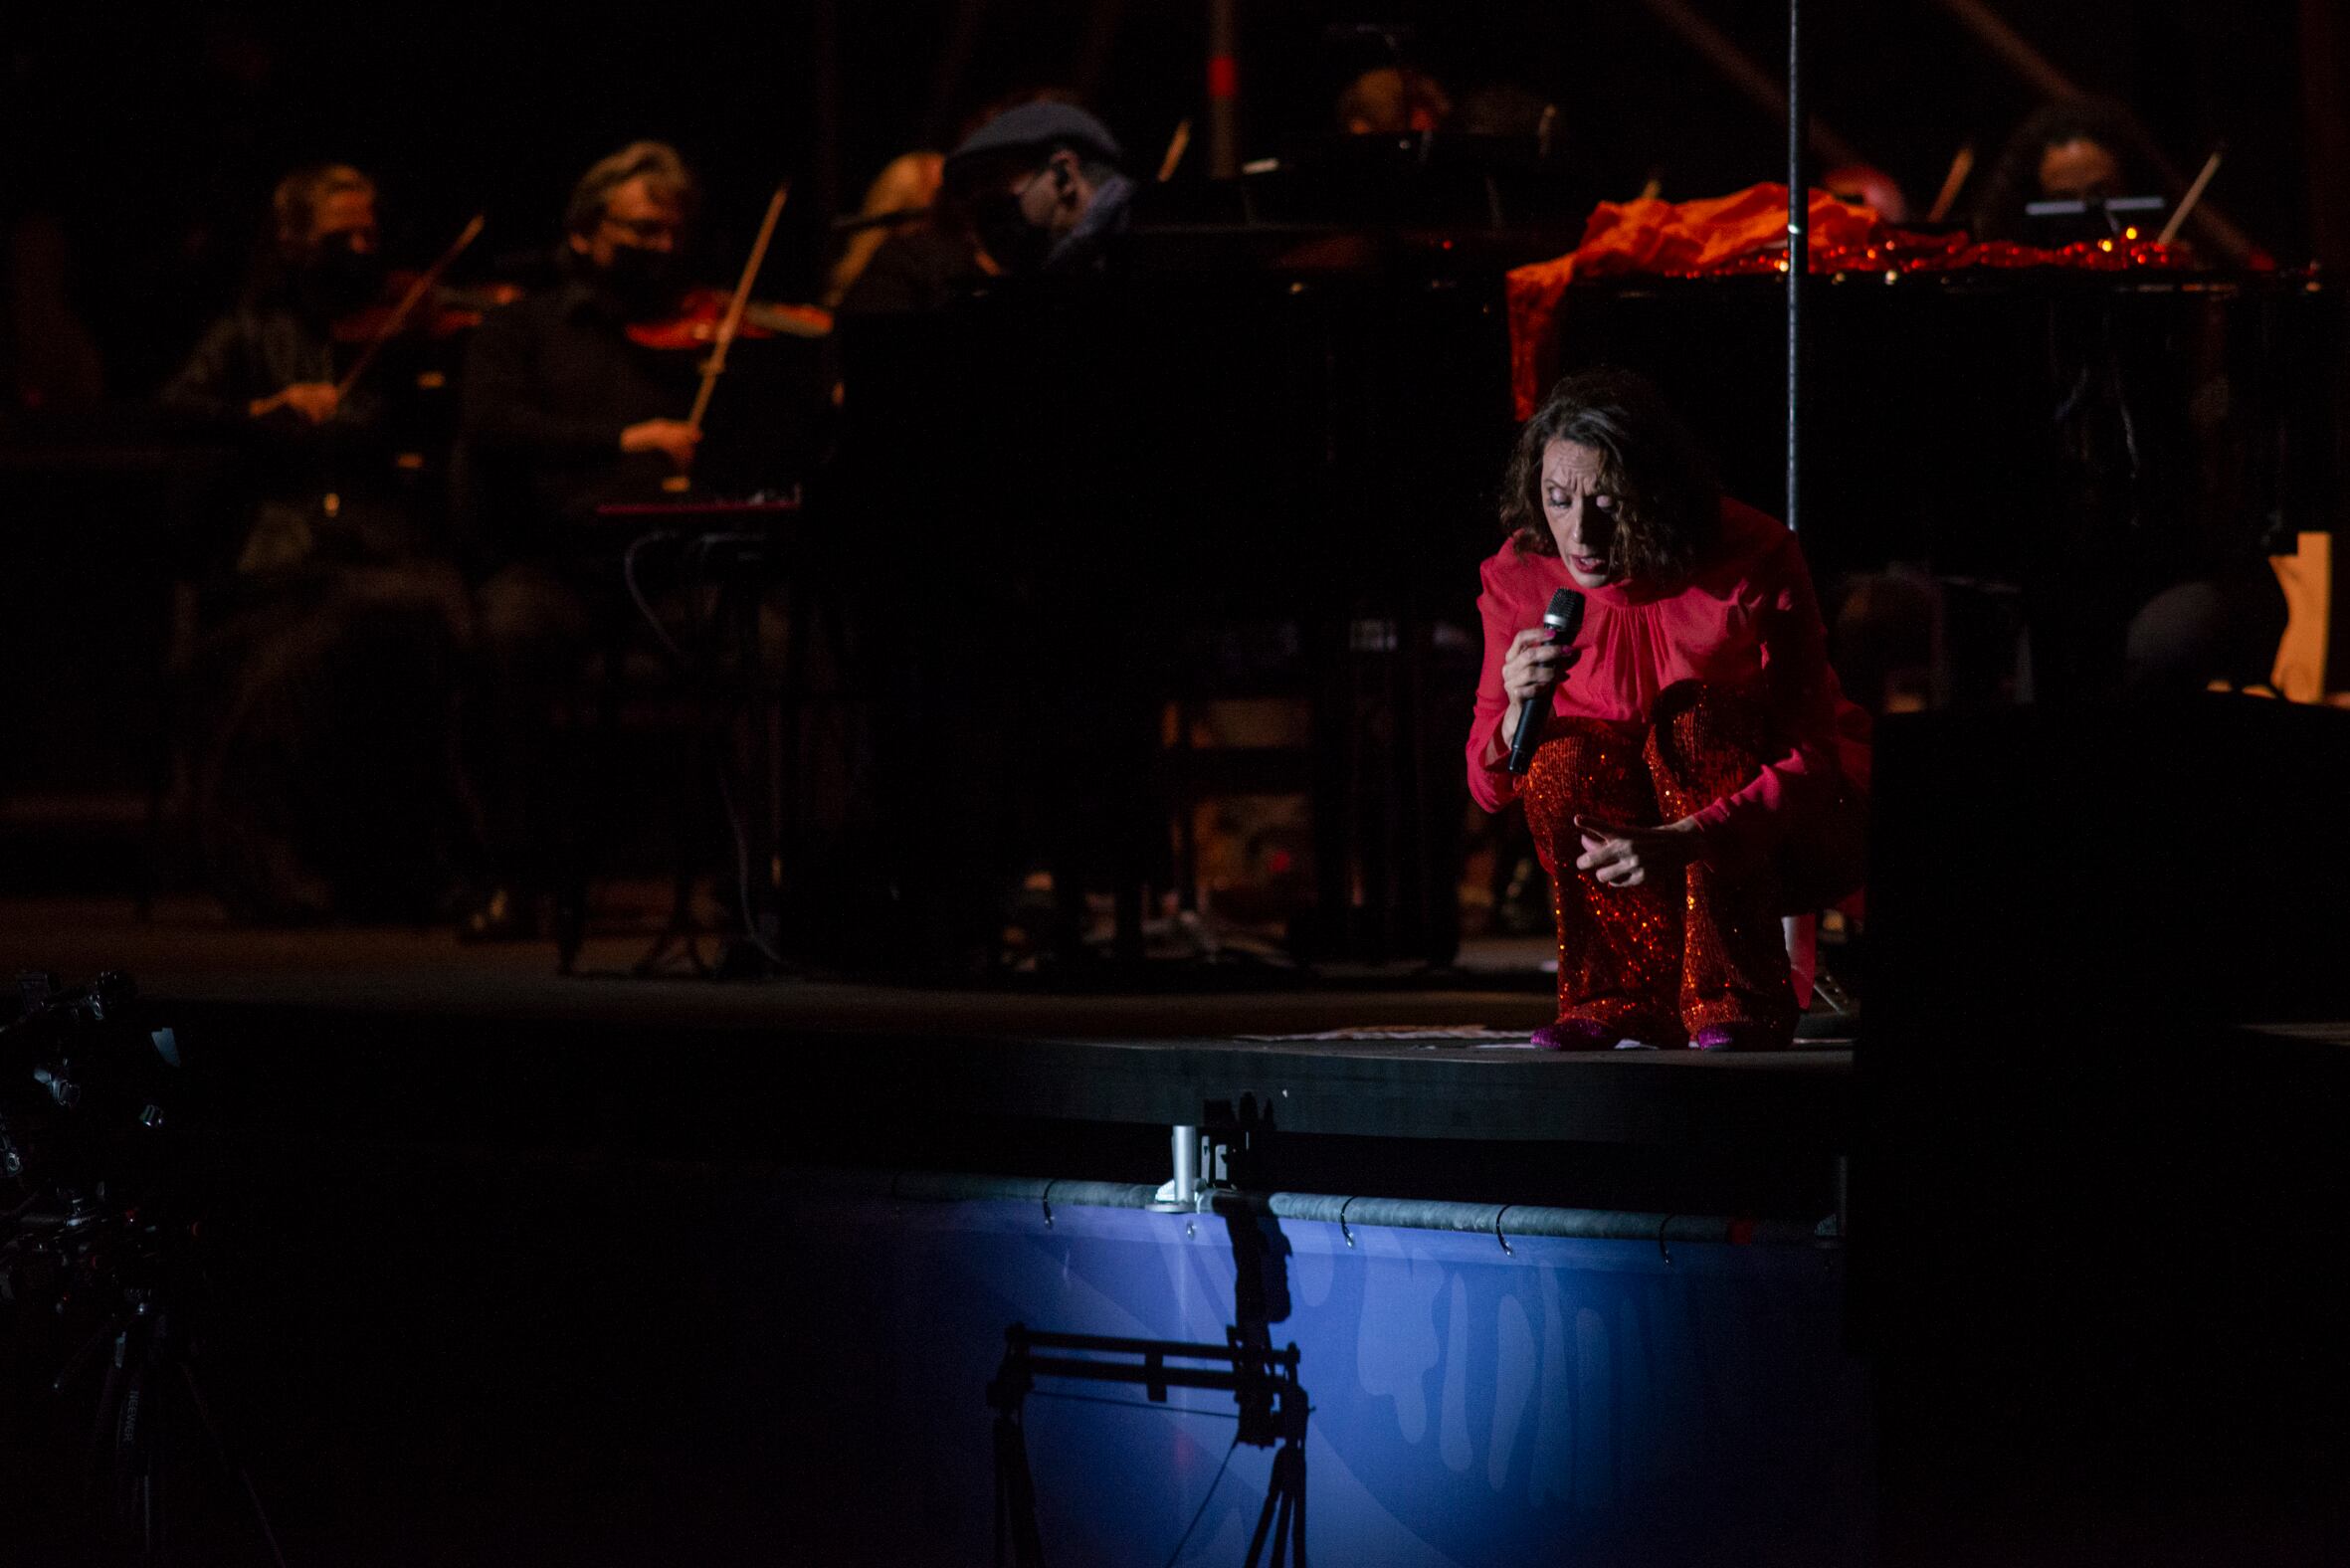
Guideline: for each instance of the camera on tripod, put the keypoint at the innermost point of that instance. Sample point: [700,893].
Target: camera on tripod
[82,1087]
[99,1275]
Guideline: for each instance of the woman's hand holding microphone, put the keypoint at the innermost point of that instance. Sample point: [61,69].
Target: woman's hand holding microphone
[1530,668]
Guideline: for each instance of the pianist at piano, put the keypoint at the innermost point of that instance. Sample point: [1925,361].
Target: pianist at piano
[1047,188]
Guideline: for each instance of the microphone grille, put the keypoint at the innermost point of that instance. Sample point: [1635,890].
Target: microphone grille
[1565,612]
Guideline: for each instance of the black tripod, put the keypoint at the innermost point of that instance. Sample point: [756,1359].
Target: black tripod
[147,1387]
[1263,1381]
[1284,1513]
[100,1243]
[148,1381]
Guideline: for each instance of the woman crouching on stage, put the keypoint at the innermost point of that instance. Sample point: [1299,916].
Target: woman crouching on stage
[1686,789]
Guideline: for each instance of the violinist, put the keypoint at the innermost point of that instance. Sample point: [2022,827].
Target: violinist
[906,190]
[264,381]
[1388,100]
[562,409]
[319,601]
[575,399]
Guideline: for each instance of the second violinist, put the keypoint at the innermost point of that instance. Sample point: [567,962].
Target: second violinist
[266,381]
[562,409]
[575,399]
[582,396]
[318,677]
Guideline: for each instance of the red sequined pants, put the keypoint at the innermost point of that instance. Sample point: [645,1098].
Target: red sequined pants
[1658,963]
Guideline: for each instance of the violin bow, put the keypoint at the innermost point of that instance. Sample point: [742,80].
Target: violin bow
[1962,164]
[1177,145]
[2210,166]
[715,366]
[408,302]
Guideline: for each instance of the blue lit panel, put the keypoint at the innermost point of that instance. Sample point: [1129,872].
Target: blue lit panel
[1573,1401]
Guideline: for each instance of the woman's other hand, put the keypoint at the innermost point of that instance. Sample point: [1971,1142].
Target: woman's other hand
[1623,855]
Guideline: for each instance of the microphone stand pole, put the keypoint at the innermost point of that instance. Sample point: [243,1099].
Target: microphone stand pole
[1798,256]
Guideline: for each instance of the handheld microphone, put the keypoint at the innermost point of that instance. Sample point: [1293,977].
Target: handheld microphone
[1565,618]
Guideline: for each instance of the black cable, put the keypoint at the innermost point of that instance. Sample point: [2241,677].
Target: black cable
[743,873]
[703,546]
[628,578]
[742,857]
[1201,1512]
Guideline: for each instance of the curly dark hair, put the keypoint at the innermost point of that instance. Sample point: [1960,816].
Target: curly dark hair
[1667,504]
[2015,177]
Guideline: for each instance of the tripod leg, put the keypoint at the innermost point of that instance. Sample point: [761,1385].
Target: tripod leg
[109,1396]
[1267,1517]
[137,1479]
[81,1357]
[1003,1487]
[1297,1499]
[230,1463]
[1015,1497]
[1283,1516]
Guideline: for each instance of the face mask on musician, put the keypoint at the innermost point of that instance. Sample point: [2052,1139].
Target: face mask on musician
[1017,245]
[340,277]
[643,280]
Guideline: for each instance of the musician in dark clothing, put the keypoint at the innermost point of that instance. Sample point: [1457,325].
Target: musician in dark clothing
[1046,192]
[2076,149]
[565,412]
[314,460]
[918,269]
[1032,205]
[900,200]
[1035,190]
[319,601]
[2158,581]
[562,411]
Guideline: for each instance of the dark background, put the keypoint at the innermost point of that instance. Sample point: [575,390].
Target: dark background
[422,1345]
[144,142]
[156,134]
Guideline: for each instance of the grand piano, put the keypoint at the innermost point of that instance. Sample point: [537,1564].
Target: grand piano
[2075,440]
[1261,458]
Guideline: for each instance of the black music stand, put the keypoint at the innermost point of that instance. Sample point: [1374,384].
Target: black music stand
[728,553]
[2056,224]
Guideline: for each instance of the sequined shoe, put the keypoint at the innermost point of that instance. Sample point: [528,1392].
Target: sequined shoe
[1739,1037]
[1574,1034]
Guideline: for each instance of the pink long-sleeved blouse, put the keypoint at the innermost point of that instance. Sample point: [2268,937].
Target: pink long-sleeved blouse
[1748,613]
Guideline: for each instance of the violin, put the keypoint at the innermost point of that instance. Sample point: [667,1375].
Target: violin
[441,312]
[697,322]
[395,315]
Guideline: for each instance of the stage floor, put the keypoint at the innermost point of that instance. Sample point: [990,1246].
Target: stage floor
[190,951]
[463,1210]
[418,1001]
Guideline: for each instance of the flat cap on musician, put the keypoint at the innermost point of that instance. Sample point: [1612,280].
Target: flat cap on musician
[1040,125]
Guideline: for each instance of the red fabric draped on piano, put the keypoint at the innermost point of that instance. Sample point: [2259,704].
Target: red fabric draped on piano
[1746,232]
